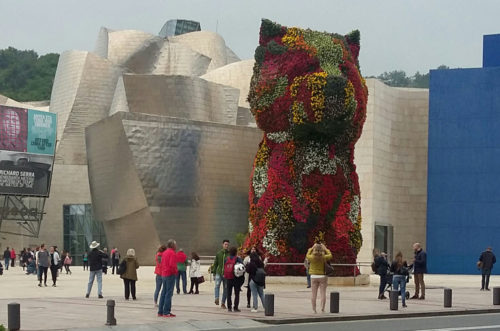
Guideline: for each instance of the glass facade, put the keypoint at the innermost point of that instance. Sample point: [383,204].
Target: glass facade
[178,27]
[80,229]
[384,238]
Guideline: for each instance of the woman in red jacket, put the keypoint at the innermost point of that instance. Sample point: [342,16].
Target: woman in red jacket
[160,251]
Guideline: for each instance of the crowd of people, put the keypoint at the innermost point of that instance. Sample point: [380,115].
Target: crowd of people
[231,270]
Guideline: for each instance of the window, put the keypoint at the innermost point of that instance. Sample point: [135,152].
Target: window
[80,229]
[384,239]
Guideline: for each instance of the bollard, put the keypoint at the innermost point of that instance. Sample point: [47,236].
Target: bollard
[393,300]
[447,297]
[496,295]
[110,319]
[334,302]
[269,304]
[14,316]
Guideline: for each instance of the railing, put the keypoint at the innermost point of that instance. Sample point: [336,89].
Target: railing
[207,260]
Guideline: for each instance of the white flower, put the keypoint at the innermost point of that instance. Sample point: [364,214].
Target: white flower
[250,227]
[269,243]
[317,156]
[259,180]
[354,212]
[279,137]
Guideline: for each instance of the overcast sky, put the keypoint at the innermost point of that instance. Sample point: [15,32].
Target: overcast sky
[411,35]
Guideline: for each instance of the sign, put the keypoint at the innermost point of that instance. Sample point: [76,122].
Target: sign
[27,147]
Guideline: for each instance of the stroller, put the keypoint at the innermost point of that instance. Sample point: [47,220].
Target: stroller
[390,275]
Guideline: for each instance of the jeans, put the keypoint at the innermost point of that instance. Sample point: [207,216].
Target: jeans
[53,271]
[92,275]
[218,280]
[129,288]
[485,278]
[181,274]
[115,265]
[42,271]
[236,284]
[383,282]
[397,281]
[194,283]
[6,260]
[165,306]
[257,290]
[159,282]
[85,265]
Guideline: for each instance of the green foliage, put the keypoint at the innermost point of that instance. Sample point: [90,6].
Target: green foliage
[2,328]
[260,53]
[25,76]
[240,238]
[269,28]
[279,89]
[275,48]
[324,132]
[354,36]
[329,54]
[398,78]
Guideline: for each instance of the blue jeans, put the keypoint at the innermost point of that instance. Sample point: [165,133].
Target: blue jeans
[181,274]
[218,280]
[257,290]
[92,275]
[159,281]
[165,306]
[7,260]
[383,282]
[397,281]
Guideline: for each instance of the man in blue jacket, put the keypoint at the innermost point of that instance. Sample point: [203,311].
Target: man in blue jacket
[419,269]
[487,260]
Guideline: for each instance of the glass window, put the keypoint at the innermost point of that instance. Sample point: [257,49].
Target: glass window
[80,229]
[384,239]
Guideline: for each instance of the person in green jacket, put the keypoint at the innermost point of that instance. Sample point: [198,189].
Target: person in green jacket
[218,271]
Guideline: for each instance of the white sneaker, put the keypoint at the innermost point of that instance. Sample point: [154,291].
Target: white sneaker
[254,311]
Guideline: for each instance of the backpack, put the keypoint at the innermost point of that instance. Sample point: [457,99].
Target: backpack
[260,277]
[374,267]
[229,268]
[122,267]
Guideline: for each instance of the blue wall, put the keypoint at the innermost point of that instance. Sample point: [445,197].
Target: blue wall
[491,50]
[463,203]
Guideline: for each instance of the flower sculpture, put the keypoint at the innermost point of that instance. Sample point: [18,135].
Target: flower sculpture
[309,98]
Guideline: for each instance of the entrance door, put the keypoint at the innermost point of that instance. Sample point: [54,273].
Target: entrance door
[384,239]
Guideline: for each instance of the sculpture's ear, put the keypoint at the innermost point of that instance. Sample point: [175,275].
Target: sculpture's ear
[270,30]
[353,42]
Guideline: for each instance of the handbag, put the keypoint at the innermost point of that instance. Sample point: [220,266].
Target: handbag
[201,279]
[328,269]
[479,264]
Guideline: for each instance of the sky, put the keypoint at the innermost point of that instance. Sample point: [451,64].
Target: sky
[409,35]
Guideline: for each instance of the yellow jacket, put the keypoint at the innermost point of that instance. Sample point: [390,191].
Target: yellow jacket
[317,266]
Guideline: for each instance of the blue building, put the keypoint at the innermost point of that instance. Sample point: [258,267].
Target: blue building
[463,206]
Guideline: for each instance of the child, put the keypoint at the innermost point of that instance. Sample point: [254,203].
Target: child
[194,272]
[67,263]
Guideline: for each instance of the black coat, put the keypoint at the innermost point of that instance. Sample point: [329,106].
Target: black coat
[420,264]
[488,259]
[382,265]
[95,259]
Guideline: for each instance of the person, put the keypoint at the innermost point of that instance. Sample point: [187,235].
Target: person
[487,259]
[168,273]
[233,282]
[105,260]
[95,264]
[42,263]
[419,269]
[67,262]
[31,266]
[12,257]
[194,272]
[115,260]
[308,275]
[382,266]
[130,275]
[317,255]
[85,259]
[6,258]
[54,264]
[246,261]
[218,271]
[256,285]
[62,257]
[159,281]
[400,270]
[182,262]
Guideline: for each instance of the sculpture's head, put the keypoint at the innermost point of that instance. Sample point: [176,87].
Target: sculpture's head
[306,85]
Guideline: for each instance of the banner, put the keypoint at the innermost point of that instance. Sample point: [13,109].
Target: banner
[27,147]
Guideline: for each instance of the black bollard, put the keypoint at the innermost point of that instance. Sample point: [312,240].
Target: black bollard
[14,316]
[393,300]
[269,304]
[334,302]
[110,319]
[447,297]
[496,295]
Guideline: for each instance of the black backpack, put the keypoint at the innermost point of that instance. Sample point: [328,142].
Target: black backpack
[260,277]
[122,267]
[374,267]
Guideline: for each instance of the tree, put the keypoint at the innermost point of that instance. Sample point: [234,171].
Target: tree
[25,76]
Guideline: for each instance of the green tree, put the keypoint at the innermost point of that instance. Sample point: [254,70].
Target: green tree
[25,76]
[395,78]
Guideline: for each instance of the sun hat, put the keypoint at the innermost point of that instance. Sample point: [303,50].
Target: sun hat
[94,244]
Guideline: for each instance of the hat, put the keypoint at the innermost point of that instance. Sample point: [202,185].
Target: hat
[94,244]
